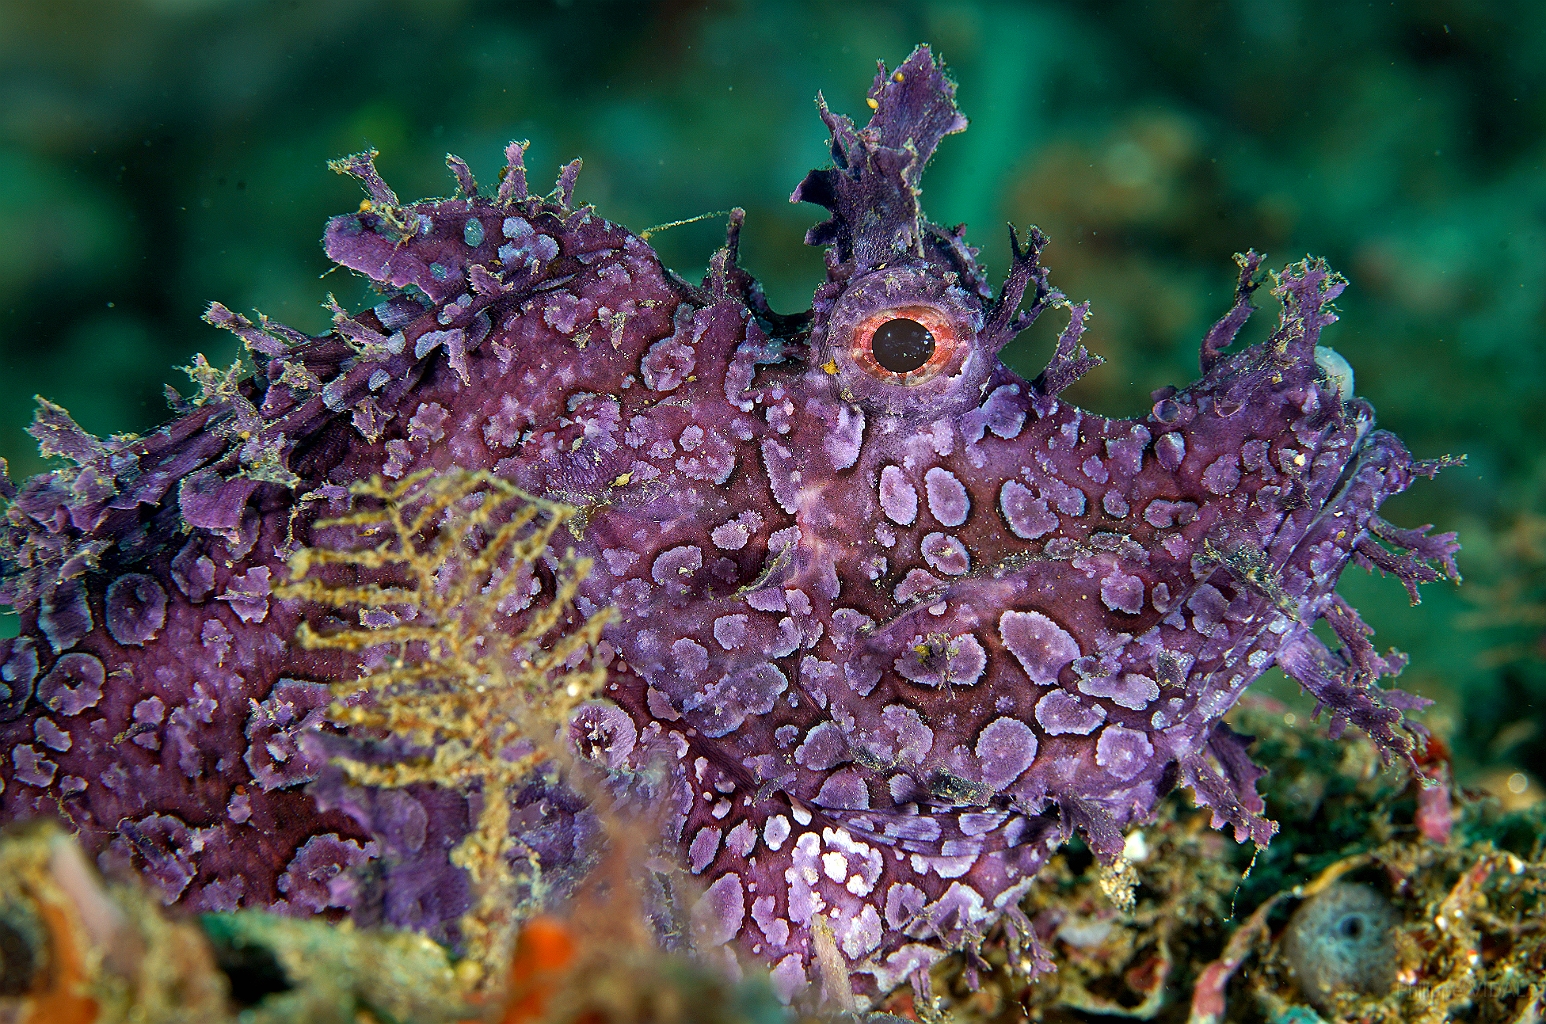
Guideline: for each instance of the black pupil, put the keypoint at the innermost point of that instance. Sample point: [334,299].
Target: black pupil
[902,345]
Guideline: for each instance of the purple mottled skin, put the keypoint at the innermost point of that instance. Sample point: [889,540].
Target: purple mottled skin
[896,632]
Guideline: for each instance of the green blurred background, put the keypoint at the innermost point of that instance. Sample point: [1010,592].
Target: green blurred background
[157,154]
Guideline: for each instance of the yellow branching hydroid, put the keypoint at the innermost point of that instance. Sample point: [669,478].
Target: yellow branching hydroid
[472,651]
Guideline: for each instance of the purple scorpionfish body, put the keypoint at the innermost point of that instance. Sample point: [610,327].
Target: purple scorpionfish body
[900,620]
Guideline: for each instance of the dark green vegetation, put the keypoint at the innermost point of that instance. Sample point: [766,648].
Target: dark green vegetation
[158,154]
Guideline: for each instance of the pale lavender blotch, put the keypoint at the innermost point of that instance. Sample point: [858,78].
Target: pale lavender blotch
[1028,516]
[862,933]
[960,661]
[1162,514]
[603,732]
[914,739]
[1041,646]
[719,913]
[136,609]
[844,790]
[675,563]
[1123,752]
[275,753]
[1122,593]
[32,768]
[1127,689]
[64,615]
[73,684]
[843,444]
[689,657]
[824,747]
[726,703]
[18,670]
[1170,449]
[730,631]
[898,497]
[1006,747]
[948,500]
[704,848]
[193,572]
[1060,713]
[320,876]
[945,554]
[1223,474]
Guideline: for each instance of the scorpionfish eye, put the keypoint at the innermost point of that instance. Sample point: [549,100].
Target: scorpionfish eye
[906,345]
[902,345]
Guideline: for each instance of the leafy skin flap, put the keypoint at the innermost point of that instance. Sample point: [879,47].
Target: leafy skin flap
[873,188]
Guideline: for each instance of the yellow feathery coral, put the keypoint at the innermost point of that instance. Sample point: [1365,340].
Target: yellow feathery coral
[466,661]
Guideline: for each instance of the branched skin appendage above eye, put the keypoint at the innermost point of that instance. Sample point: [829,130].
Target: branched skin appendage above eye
[891,621]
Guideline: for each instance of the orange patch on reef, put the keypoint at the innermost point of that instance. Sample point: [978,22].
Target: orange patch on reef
[61,1002]
[544,951]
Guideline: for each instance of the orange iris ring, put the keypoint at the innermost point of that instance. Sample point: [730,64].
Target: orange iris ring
[946,344]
